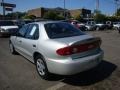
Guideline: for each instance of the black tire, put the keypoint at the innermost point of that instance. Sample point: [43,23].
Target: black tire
[119,31]
[45,74]
[97,29]
[12,49]
[116,28]
[0,35]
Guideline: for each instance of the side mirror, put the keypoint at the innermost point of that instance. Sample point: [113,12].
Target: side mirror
[14,32]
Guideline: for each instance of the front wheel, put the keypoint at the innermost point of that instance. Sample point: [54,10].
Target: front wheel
[119,31]
[42,68]
[97,29]
[12,49]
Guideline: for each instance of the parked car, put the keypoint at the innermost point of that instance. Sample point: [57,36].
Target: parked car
[91,25]
[109,25]
[7,28]
[78,25]
[101,26]
[116,25]
[57,47]
[19,23]
[22,22]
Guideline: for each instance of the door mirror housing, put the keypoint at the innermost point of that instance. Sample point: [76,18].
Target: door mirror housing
[14,32]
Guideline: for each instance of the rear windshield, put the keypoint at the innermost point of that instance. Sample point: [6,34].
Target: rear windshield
[6,23]
[61,30]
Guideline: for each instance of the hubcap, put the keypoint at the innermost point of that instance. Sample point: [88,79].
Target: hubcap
[41,67]
[11,47]
[97,28]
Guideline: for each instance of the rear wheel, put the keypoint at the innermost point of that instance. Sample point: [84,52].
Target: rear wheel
[42,68]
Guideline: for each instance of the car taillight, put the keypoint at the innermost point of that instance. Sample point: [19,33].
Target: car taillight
[78,48]
[64,51]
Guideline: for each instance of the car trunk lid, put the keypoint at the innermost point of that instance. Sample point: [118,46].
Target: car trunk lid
[79,46]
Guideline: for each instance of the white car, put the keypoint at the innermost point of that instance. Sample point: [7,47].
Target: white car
[91,25]
[116,25]
[7,28]
[100,26]
[57,47]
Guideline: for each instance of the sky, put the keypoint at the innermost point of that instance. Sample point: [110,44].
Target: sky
[106,6]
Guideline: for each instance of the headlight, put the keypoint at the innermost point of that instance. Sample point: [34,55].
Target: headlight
[2,30]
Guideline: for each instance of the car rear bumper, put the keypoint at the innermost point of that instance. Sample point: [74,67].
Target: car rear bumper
[70,67]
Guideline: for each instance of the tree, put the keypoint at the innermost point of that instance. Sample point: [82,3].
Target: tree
[29,17]
[78,17]
[97,11]
[118,12]
[50,15]
[53,16]
[60,17]
[16,15]
[112,18]
[100,17]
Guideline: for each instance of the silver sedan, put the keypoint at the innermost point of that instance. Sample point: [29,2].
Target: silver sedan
[57,47]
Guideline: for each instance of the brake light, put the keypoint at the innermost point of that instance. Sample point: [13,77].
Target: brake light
[64,51]
[78,48]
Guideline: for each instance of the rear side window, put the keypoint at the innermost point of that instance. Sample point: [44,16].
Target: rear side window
[61,30]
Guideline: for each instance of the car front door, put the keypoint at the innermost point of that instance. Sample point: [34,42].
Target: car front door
[19,39]
[29,43]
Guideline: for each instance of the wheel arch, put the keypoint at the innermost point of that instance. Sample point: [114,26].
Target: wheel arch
[10,41]
[35,54]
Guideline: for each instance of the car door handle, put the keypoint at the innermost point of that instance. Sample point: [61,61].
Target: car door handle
[34,45]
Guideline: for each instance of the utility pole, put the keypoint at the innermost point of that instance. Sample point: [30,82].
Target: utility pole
[64,9]
[97,5]
[116,5]
[3,9]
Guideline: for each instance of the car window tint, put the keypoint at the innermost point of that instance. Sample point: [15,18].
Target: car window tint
[61,30]
[23,31]
[33,32]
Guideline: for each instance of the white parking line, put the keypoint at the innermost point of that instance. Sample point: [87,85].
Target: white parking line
[57,86]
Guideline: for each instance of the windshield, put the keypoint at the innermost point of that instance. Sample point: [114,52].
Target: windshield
[61,30]
[6,23]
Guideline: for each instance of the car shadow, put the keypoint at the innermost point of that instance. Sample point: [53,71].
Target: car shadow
[4,37]
[99,73]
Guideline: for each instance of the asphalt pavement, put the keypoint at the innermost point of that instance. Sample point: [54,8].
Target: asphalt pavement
[17,73]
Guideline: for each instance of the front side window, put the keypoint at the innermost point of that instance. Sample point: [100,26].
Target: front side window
[33,32]
[22,31]
[61,30]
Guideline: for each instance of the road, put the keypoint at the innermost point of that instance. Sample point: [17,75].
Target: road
[17,73]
